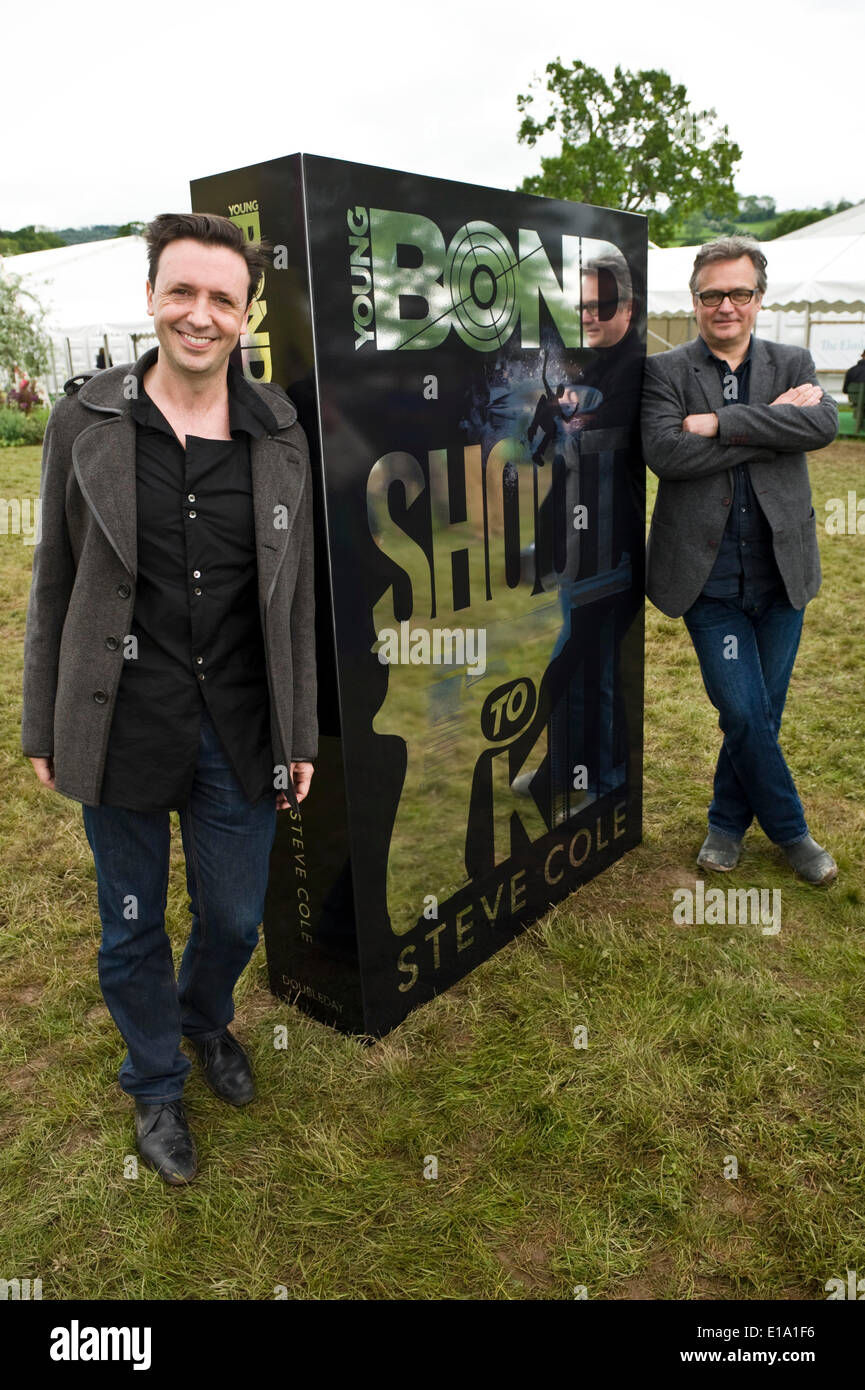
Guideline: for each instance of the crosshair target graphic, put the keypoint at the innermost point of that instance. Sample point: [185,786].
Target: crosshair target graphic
[479,273]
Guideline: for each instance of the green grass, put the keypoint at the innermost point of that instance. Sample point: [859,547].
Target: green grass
[557,1166]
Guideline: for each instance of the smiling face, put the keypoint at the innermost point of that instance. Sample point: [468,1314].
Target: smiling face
[727,328]
[199,307]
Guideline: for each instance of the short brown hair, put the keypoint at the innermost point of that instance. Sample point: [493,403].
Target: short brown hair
[211,230]
[612,269]
[730,248]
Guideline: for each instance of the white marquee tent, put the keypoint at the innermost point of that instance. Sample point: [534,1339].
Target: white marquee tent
[93,295]
[827,274]
[815,298]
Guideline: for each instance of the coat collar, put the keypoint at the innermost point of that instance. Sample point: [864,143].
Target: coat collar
[103,456]
[112,392]
[709,378]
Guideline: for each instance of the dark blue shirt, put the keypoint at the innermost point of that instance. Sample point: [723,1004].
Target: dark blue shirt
[745,555]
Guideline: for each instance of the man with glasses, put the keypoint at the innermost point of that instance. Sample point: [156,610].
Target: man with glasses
[610,314]
[727,420]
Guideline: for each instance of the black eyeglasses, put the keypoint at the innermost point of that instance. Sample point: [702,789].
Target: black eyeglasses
[603,309]
[710,299]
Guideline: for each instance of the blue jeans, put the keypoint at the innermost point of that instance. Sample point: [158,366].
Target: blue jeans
[227,843]
[747,683]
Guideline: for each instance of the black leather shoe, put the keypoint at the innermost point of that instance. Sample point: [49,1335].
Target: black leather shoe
[226,1068]
[163,1139]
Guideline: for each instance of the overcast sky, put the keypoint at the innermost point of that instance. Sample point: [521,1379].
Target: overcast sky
[109,109]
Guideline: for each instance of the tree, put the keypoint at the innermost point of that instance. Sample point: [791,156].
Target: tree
[754,209]
[791,221]
[130,229]
[795,218]
[28,239]
[23,342]
[632,144]
[701,226]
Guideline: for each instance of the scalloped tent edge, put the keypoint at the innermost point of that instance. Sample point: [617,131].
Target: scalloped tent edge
[823,274]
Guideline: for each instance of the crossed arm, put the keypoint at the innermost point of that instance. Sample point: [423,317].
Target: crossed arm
[681,447]
[708,425]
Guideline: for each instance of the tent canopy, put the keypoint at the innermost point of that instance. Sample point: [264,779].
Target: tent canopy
[97,287]
[94,287]
[823,273]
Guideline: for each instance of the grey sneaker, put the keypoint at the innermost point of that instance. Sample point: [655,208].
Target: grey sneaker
[811,861]
[719,852]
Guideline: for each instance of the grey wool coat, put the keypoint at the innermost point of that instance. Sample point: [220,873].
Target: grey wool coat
[84,572]
[695,491]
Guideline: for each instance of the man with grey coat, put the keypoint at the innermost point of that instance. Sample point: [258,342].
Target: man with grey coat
[170,662]
[727,420]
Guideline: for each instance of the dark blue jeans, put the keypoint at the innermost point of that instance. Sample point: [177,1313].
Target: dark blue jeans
[227,843]
[747,681]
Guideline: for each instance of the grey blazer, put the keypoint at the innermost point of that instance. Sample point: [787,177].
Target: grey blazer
[696,480]
[84,572]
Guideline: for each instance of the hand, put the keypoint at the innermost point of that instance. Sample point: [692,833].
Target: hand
[44,769]
[707,425]
[806,394]
[301,776]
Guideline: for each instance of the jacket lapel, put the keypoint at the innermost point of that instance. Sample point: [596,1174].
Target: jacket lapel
[711,383]
[762,386]
[103,456]
[707,377]
[277,488]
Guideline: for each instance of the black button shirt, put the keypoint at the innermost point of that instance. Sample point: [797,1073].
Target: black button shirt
[196,633]
[745,555]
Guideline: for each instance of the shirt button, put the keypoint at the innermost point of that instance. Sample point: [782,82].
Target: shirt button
[199,660]
[191,496]
[193,515]
[196,591]
[100,697]
[201,675]
[112,644]
[124,590]
[196,574]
